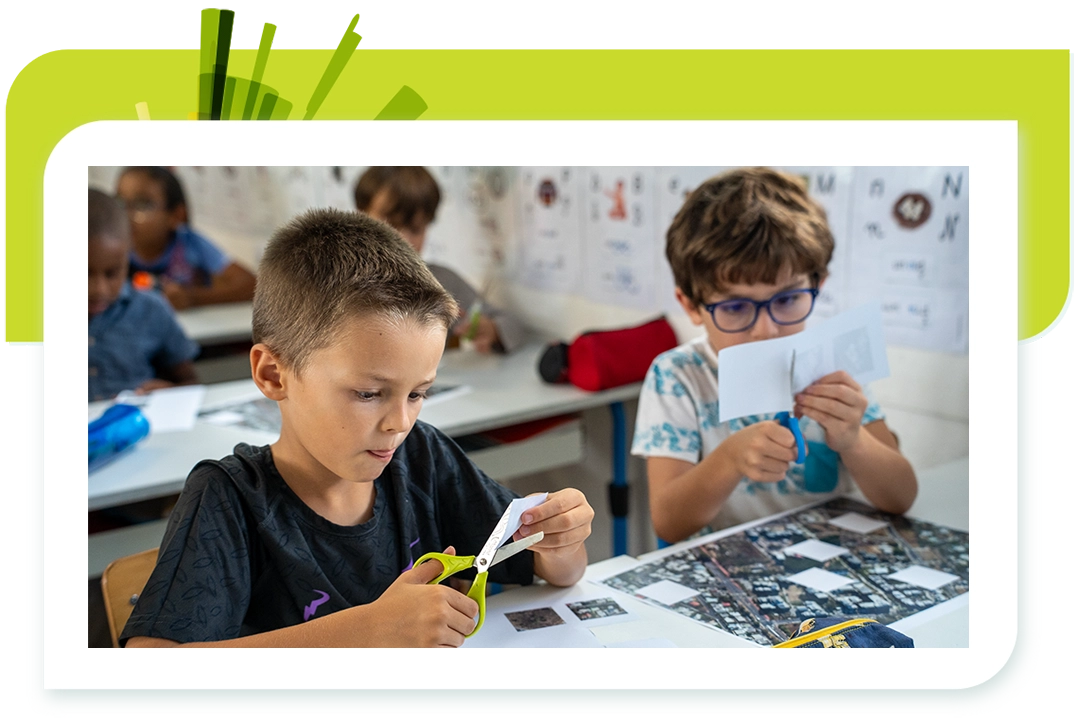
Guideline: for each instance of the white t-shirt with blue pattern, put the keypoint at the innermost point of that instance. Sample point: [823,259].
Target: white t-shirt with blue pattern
[678,417]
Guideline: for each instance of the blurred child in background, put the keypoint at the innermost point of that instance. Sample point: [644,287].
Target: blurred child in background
[185,266]
[134,340]
[406,197]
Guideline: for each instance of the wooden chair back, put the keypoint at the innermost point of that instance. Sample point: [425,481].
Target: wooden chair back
[121,584]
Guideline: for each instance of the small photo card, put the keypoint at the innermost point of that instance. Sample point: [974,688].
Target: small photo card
[537,619]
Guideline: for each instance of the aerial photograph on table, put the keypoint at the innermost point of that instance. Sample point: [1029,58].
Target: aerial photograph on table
[838,558]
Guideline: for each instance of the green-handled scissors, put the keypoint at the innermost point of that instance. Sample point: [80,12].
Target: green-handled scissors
[485,560]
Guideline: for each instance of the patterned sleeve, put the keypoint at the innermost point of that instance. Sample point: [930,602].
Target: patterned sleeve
[200,588]
[667,420]
[175,347]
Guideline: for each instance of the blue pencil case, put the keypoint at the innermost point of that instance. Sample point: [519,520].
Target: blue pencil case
[837,632]
[116,431]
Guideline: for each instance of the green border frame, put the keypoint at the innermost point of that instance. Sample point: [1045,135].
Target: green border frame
[62,90]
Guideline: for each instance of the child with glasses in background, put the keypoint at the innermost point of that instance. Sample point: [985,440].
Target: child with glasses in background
[166,253]
[749,251]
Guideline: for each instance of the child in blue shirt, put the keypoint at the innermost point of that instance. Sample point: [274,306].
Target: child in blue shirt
[134,340]
[749,251]
[188,269]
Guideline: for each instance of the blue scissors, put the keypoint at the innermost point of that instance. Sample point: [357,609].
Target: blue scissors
[792,423]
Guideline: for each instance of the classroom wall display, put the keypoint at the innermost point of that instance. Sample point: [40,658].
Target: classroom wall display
[599,233]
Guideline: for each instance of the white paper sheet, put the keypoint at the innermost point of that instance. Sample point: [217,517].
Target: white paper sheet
[173,409]
[667,592]
[924,577]
[822,580]
[815,550]
[762,377]
[514,511]
[853,341]
[646,643]
[857,523]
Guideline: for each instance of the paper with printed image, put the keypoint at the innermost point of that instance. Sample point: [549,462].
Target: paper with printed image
[763,377]
[853,341]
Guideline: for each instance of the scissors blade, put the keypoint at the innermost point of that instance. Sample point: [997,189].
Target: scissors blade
[487,552]
[513,548]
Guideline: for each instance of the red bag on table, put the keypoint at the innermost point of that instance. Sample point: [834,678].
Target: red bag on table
[604,359]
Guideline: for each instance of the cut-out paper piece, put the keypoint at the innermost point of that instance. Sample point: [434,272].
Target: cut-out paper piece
[762,377]
[821,580]
[815,550]
[341,56]
[265,42]
[405,105]
[667,592]
[605,607]
[537,619]
[924,577]
[142,110]
[858,523]
[514,511]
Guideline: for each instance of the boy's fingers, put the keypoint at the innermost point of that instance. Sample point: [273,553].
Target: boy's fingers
[556,504]
[427,571]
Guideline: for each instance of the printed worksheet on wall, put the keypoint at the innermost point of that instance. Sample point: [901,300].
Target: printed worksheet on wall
[620,236]
[549,252]
[830,186]
[910,251]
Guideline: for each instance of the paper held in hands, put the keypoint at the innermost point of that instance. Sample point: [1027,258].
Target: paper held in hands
[763,377]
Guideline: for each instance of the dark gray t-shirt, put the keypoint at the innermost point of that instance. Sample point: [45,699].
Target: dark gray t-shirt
[242,554]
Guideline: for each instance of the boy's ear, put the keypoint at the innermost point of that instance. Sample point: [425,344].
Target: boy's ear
[266,371]
[692,310]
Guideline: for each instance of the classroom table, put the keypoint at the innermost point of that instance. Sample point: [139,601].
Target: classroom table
[943,498]
[499,391]
[215,324]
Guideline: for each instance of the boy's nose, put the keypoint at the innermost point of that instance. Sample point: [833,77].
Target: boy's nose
[398,418]
[764,327]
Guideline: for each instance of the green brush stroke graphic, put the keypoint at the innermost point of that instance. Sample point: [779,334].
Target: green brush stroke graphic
[406,105]
[260,67]
[341,56]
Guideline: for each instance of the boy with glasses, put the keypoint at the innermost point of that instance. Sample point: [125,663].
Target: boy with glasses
[749,251]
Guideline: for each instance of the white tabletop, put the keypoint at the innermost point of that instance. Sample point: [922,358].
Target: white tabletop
[503,390]
[217,323]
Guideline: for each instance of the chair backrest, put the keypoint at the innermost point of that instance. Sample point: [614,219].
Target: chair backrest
[121,584]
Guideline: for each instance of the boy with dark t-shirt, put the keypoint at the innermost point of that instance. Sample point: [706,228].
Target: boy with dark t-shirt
[311,541]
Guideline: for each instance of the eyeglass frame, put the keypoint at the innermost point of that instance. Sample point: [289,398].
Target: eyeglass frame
[814,291]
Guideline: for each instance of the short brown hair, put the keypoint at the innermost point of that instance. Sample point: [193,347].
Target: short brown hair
[745,227]
[107,217]
[412,192]
[327,265]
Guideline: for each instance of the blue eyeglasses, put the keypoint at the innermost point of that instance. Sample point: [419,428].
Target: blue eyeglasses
[785,308]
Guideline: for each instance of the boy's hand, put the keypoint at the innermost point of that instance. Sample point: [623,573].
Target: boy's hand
[566,520]
[485,336]
[152,384]
[762,451]
[837,403]
[176,294]
[412,613]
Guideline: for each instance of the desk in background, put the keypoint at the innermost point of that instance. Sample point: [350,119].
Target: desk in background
[503,390]
[217,323]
